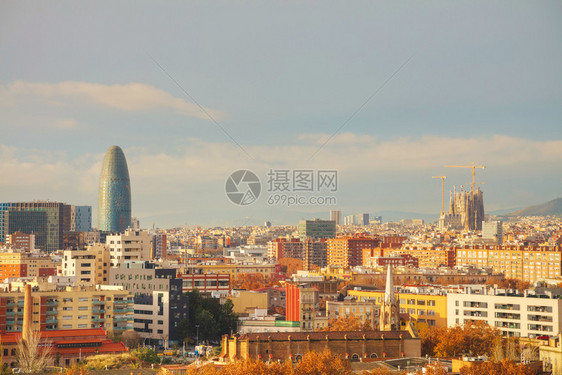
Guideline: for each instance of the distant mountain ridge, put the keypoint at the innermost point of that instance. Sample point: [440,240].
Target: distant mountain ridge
[553,207]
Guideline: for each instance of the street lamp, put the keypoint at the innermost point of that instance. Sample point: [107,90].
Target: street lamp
[197,337]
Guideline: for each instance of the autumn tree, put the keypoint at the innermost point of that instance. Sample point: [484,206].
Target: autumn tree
[504,367]
[472,338]
[290,266]
[325,363]
[251,281]
[312,363]
[510,283]
[349,323]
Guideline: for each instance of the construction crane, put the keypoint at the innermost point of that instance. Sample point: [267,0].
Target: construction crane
[473,166]
[442,192]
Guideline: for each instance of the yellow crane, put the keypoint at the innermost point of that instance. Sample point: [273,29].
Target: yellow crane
[442,192]
[473,166]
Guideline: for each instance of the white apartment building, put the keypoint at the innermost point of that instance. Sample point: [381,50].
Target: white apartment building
[532,314]
[131,245]
[91,265]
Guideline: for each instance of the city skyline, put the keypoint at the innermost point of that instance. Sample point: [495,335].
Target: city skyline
[386,95]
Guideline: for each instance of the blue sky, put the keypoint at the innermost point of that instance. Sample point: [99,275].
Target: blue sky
[471,81]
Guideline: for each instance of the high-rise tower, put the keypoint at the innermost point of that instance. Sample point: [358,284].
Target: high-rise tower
[114,196]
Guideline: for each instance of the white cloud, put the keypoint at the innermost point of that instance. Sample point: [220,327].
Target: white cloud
[126,97]
[192,178]
[66,123]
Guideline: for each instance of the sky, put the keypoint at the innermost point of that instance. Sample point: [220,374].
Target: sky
[385,93]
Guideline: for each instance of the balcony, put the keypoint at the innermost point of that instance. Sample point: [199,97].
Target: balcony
[52,312]
[122,318]
[97,302]
[123,328]
[52,303]
[508,316]
[11,304]
[51,321]
[99,320]
[21,303]
[120,302]
[10,322]
[98,311]
[10,313]
[117,311]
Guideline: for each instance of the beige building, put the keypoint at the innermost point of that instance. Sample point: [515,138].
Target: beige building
[91,265]
[244,300]
[73,307]
[551,355]
[131,245]
[527,263]
[26,264]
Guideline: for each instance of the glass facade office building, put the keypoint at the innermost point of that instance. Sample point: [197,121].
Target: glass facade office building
[47,220]
[114,195]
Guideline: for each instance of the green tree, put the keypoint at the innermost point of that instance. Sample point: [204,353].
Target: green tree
[213,319]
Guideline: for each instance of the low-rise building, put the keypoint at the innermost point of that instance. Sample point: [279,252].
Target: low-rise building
[353,345]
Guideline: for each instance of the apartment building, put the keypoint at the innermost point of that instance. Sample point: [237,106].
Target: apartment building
[531,313]
[347,252]
[131,245]
[194,277]
[428,256]
[90,265]
[71,307]
[527,263]
[26,264]
[159,303]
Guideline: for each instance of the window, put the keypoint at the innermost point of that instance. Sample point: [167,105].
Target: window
[82,316]
[82,308]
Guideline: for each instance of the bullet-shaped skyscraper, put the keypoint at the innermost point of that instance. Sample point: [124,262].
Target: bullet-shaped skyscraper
[114,196]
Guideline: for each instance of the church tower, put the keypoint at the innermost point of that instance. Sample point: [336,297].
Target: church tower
[390,309]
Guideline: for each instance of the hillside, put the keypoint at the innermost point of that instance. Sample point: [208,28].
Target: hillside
[553,207]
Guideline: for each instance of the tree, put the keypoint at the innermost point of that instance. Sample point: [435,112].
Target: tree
[145,354]
[312,363]
[504,367]
[290,266]
[472,338]
[250,281]
[350,323]
[131,338]
[510,283]
[31,357]
[213,319]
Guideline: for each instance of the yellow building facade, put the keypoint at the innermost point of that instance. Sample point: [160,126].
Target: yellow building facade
[427,310]
[77,307]
[519,262]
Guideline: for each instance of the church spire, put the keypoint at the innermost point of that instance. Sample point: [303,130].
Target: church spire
[389,311]
[389,297]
